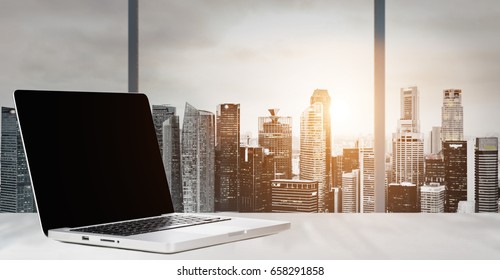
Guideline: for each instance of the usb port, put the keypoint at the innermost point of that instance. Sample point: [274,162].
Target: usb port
[86,238]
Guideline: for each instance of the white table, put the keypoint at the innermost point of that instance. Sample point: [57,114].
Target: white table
[312,236]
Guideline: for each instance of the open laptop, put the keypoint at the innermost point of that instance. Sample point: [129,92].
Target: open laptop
[98,176]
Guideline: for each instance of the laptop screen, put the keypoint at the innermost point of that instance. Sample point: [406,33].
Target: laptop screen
[93,157]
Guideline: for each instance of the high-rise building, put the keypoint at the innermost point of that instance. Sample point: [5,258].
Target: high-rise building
[336,171]
[436,143]
[402,198]
[408,144]
[16,194]
[452,127]
[160,114]
[350,159]
[367,178]
[322,96]
[455,178]
[226,157]
[294,196]
[275,134]
[486,174]
[434,168]
[432,198]
[350,192]
[198,160]
[255,176]
[410,110]
[312,151]
[172,160]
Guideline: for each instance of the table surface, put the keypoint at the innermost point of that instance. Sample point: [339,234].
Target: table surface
[312,236]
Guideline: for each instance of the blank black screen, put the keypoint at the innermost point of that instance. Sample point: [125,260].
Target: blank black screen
[93,157]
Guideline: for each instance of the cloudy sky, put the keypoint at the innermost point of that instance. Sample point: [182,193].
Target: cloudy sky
[262,54]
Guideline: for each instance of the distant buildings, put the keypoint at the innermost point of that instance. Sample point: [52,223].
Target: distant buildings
[434,168]
[198,160]
[436,142]
[16,194]
[227,157]
[275,134]
[486,174]
[294,196]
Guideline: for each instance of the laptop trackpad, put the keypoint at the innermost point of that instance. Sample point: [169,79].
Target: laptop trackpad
[193,232]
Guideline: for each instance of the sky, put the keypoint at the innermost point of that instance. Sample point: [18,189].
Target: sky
[263,54]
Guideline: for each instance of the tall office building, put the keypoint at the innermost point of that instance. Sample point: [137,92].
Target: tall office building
[336,171]
[434,168]
[255,176]
[350,192]
[455,177]
[160,114]
[350,159]
[432,198]
[226,157]
[322,96]
[452,127]
[198,160]
[402,198]
[172,160]
[408,144]
[436,143]
[410,110]
[367,180]
[312,151]
[486,174]
[294,196]
[275,134]
[16,194]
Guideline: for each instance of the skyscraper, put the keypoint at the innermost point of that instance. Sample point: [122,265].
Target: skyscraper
[367,180]
[322,96]
[434,168]
[410,110]
[275,134]
[408,145]
[402,198]
[226,157]
[436,142]
[256,171]
[455,177]
[452,127]
[432,198]
[160,114]
[312,151]
[198,160]
[350,159]
[350,192]
[172,159]
[16,194]
[486,174]
[294,196]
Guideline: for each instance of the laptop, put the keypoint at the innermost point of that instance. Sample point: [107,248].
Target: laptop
[98,176]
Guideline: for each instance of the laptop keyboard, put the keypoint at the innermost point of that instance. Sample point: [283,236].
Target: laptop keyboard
[150,225]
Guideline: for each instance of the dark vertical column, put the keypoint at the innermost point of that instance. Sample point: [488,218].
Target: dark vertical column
[379,11]
[133,46]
